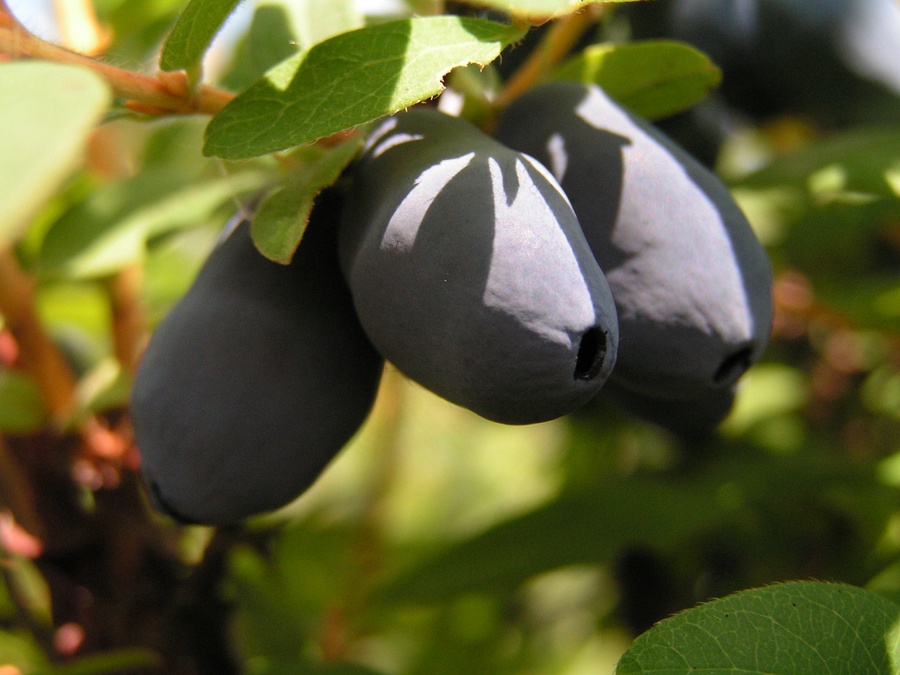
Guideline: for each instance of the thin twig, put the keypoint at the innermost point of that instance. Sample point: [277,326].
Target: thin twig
[143,92]
[40,356]
[128,321]
[553,48]
[337,632]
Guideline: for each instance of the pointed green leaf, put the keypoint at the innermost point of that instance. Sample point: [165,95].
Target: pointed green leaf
[350,79]
[798,628]
[662,512]
[111,228]
[653,78]
[282,216]
[270,39]
[193,33]
[574,529]
[44,126]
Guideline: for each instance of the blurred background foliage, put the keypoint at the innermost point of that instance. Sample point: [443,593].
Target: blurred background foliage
[438,542]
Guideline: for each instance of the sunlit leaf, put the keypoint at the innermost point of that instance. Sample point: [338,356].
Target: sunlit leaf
[653,79]
[799,628]
[350,79]
[44,127]
[860,161]
[270,39]
[193,33]
[282,216]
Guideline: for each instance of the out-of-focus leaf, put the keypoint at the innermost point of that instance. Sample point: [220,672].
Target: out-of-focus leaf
[766,390]
[871,302]
[43,131]
[257,600]
[21,651]
[307,570]
[110,229]
[77,315]
[104,387]
[653,78]
[351,79]
[538,10]
[798,628]
[173,146]
[860,161]
[120,661]
[662,513]
[171,266]
[282,216]
[30,590]
[21,408]
[887,583]
[138,26]
[318,20]
[582,528]
[881,392]
[832,210]
[193,32]
[270,40]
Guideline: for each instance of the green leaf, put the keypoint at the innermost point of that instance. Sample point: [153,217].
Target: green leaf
[43,130]
[860,161]
[30,589]
[831,207]
[193,32]
[318,20]
[21,409]
[798,628]
[575,529]
[21,650]
[653,78]
[111,228]
[138,27]
[270,40]
[105,387]
[282,216]
[769,504]
[351,79]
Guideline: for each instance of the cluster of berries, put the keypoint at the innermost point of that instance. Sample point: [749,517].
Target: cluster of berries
[514,274]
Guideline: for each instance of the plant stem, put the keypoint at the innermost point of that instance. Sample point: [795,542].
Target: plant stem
[40,356]
[556,44]
[17,493]
[341,621]
[123,290]
[143,93]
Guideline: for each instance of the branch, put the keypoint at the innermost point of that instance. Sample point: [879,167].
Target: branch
[128,321]
[162,95]
[40,356]
[553,48]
